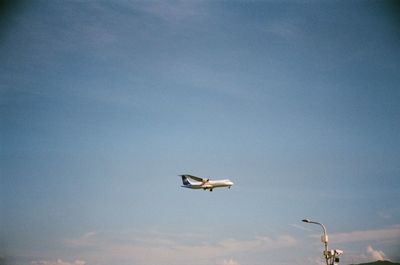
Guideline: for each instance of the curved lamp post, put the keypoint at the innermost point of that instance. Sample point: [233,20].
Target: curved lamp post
[324,237]
[331,256]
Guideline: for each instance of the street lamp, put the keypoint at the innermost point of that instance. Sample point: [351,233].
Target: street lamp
[331,256]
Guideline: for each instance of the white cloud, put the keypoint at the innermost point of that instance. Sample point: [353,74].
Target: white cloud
[369,255]
[228,262]
[376,254]
[58,262]
[99,248]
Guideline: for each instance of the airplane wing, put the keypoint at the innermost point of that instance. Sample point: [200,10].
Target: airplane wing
[196,178]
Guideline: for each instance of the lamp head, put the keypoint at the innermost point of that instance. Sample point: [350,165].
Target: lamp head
[306,220]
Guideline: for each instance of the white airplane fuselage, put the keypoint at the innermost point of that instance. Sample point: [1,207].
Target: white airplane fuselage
[206,184]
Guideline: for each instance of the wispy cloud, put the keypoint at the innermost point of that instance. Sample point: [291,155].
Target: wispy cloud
[389,233]
[301,227]
[152,247]
[84,240]
[163,248]
[58,262]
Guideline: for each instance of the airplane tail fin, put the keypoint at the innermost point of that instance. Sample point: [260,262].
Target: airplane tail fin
[185,181]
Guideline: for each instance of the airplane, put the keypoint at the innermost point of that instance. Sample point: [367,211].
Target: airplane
[193,182]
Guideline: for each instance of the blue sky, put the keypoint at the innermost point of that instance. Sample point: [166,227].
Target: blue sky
[103,105]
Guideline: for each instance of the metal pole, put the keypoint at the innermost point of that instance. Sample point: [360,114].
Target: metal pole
[324,238]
